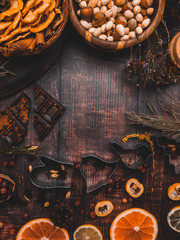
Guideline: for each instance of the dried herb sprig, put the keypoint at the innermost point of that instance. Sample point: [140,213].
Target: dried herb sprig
[153,65]
[4,71]
[24,150]
[165,118]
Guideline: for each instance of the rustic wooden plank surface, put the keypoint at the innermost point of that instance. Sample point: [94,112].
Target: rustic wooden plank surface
[96,92]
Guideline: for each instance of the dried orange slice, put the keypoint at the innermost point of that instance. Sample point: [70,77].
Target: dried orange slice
[87,231]
[41,228]
[173,219]
[134,223]
[174,192]
[134,188]
[103,208]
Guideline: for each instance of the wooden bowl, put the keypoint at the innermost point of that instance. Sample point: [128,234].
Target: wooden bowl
[115,46]
[50,41]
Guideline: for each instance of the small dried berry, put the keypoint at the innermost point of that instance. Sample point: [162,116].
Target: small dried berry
[25,215]
[124,200]
[123,179]
[82,211]
[146,165]
[93,214]
[91,206]
[143,170]
[140,168]
[3,191]
[12,163]
[1,224]
[77,203]
[12,231]
[4,183]
[130,200]
[76,165]
[0,180]
[110,181]
[5,163]
[109,189]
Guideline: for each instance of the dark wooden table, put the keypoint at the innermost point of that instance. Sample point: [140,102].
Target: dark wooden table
[95,89]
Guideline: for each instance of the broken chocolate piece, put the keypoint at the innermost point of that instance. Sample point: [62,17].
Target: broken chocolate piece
[46,112]
[14,120]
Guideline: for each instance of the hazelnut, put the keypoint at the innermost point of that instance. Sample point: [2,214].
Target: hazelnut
[85,24]
[110,38]
[103,9]
[87,13]
[104,2]
[125,37]
[136,2]
[121,20]
[82,4]
[132,24]
[120,2]
[136,10]
[109,25]
[110,4]
[93,3]
[125,8]
[91,30]
[109,13]
[139,30]
[95,10]
[129,5]
[128,14]
[120,30]
[150,11]
[103,28]
[103,37]
[97,32]
[139,17]
[146,23]
[132,34]
[98,19]
[147,3]
[127,30]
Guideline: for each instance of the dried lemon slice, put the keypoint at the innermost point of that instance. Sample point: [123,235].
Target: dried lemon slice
[134,188]
[174,192]
[103,208]
[173,219]
[87,231]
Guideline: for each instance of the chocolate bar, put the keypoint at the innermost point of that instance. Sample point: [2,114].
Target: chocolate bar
[14,120]
[46,112]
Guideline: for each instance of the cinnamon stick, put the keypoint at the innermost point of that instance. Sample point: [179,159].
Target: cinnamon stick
[48,32]
[40,39]
[32,45]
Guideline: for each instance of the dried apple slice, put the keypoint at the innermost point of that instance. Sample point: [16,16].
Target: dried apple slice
[15,7]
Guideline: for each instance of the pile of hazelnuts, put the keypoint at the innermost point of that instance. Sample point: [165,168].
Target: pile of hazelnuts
[115,20]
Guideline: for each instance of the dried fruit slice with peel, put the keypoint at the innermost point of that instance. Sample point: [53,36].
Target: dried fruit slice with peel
[134,223]
[87,231]
[40,229]
[173,219]
[134,188]
[174,192]
[103,208]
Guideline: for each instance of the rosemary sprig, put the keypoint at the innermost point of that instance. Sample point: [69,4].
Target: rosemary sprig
[24,150]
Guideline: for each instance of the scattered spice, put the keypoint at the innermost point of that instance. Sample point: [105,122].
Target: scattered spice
[68,195]
[91,206]
[12,163]
[124,200]
[30,168]
[82,211]
[28,195]
[46,204]
[77,203]
[92,214]
[25,215]
[5,163]
[54,175]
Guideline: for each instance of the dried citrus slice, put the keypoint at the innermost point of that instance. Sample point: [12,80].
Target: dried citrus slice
[134,188]
[134,223]
[174,192]
[87,231]
[173,219]
[41,228]
[103,208]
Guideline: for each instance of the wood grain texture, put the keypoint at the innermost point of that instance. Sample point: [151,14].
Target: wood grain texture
[96,92]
